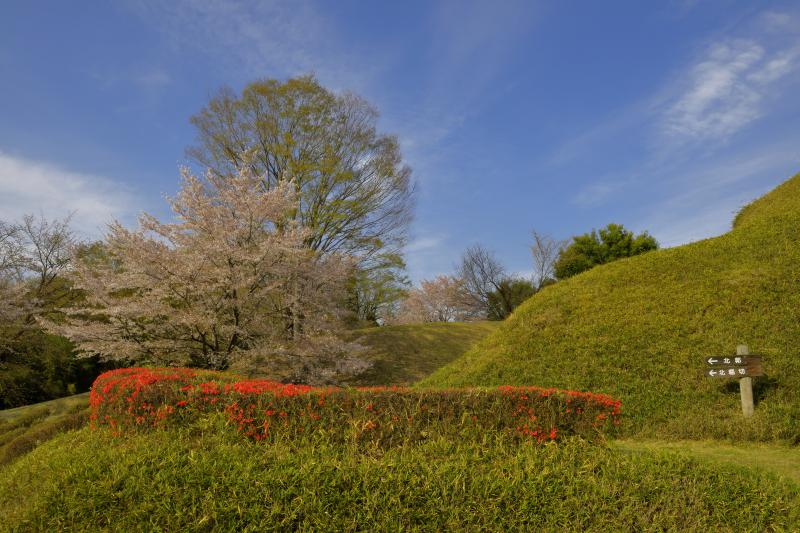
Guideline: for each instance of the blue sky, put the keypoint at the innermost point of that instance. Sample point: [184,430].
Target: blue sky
[558,116]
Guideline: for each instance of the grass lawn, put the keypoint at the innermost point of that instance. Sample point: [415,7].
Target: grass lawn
[206,477]
[783,461]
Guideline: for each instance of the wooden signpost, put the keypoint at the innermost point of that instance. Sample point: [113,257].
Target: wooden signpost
[743,366]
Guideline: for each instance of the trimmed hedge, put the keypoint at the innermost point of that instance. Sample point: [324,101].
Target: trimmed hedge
[132,398]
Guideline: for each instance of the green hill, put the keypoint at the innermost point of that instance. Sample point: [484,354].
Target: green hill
[402,355]
[639,329]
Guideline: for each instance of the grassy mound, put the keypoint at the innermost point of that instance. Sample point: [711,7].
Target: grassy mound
[402,355]
[206,478]
[639,329]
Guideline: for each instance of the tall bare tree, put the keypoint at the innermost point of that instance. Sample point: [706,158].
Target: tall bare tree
[10,249]
[481,273]
[34,256]
[545,251]
[232,276]
[48,254]
[11,254]
[34,262]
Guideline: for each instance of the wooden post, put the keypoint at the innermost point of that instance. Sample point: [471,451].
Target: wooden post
[746,386]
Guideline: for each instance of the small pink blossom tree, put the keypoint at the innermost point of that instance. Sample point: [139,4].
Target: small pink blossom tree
[442,299]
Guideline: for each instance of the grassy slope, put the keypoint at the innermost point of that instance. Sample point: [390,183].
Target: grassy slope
[53,407]
[24,428]
[405,354]
[639,328]
[206,477]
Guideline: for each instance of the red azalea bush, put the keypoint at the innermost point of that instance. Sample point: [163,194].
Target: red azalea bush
[265,410]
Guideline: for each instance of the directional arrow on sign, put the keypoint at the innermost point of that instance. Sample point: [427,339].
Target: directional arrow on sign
[733,360]
[734,372]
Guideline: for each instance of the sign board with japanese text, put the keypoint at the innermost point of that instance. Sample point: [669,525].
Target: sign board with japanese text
[733,360]
[734,366]
[741,366]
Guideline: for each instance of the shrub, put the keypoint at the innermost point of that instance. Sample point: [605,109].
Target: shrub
[383,416]
[596,248]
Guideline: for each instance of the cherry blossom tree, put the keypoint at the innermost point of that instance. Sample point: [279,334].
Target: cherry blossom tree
[442,299]
[229,278]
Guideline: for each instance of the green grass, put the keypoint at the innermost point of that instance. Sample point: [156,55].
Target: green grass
[53,407]
[402,355]
[783,461]
[639,329]
[24,428]
[207,478]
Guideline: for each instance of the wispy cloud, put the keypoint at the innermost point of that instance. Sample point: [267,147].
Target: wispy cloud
[267,38]
[428,255]
[424,243]
[703,201]
[693,135]
[726,90]
[719,100]
[729,85]
[152,78]
[33,187]
[472,43]
[468,45]
[598,193]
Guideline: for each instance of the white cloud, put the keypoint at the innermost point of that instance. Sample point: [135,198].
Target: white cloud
[429,255]
[35,187]
[778,21]
[719,100]
[774,69]
[726,89]
[424,243]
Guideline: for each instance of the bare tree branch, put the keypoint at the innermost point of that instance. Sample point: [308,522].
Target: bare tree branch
[482,273]
[544,251]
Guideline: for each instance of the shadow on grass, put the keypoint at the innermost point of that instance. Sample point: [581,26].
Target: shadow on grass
[762,386]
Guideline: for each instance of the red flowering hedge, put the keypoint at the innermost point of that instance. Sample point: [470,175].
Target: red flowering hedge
[131,398]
